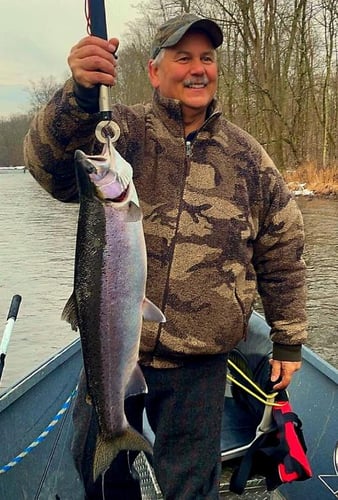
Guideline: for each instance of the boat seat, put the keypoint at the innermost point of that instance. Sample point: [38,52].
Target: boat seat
[238,429]
[241,426]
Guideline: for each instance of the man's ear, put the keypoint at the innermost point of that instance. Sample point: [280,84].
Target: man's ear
[153,74]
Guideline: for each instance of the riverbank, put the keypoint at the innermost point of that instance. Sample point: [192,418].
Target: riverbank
[308,179]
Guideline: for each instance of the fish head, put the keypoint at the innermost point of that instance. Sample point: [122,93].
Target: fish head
[83,169]
[109,173]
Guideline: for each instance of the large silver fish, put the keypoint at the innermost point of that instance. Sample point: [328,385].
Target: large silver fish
[108,301]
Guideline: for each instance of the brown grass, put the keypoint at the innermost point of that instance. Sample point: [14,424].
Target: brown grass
[322,181]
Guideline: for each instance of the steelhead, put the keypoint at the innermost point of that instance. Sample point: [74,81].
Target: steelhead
[108,302]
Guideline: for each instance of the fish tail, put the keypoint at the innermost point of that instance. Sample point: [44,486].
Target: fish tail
[107,449]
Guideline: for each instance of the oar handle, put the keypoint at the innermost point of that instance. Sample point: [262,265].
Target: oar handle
[11,317]
[14,307]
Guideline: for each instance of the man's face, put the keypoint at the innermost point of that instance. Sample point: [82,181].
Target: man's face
[187,71]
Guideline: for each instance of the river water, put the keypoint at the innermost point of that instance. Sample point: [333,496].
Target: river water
[37,241]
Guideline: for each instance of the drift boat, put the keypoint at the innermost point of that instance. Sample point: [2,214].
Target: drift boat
[36,429]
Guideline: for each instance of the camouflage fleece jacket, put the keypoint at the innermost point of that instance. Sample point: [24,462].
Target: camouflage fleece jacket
[219,222]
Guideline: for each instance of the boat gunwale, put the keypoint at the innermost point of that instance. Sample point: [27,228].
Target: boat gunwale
[320,364]
[11,394]
[14,392]
[313,359]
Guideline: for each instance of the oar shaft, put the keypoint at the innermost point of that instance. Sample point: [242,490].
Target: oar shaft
[7,335]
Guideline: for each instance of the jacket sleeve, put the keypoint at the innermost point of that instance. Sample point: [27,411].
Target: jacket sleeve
[280,268]
[56,131]
[63,126]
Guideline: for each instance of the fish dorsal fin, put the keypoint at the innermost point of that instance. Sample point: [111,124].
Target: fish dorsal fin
[69,312]
[152,312]
[137,384]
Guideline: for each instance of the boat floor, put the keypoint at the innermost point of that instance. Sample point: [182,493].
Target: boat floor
[255,488]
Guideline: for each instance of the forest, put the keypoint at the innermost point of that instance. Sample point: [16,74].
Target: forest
[278,75]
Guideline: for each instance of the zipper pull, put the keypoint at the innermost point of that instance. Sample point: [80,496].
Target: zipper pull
[188,149]
[188,154]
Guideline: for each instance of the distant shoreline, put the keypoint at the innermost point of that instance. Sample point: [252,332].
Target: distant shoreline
[301,190]
[323,188]
[310,180]
[18,168]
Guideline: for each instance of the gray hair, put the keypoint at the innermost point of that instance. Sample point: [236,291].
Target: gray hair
[156,62]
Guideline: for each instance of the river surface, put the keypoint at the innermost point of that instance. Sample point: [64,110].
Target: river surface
[37,242]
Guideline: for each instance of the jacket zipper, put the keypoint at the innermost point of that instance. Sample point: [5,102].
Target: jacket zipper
[188,154]
[189,143]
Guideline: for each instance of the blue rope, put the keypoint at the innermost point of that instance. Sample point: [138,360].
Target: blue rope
[42,436]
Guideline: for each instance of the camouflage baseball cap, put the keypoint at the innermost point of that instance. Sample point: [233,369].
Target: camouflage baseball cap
[171,32]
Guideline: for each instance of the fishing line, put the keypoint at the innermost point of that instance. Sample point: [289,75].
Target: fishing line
[102,486]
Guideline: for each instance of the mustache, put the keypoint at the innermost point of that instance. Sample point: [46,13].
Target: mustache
[196,81]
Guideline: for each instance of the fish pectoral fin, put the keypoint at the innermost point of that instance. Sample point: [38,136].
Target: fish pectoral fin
[152,312]
[107,449]
[69,312]
[134,213]
[137,384]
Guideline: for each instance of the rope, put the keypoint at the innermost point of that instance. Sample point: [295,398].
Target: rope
[41,437]
[269,398]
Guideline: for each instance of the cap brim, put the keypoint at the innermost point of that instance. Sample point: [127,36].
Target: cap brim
[212,30]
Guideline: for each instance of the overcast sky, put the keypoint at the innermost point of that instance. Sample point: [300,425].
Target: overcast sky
[36,37]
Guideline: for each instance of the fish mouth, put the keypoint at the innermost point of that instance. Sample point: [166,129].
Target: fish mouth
[119,198]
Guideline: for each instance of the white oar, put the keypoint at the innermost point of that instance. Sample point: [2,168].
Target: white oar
[11,317]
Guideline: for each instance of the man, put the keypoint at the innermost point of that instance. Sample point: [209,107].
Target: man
[219,224]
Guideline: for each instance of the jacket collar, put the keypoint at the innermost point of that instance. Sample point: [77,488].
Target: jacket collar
[169,111]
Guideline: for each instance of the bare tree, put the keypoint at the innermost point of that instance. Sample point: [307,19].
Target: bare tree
[278,71]
[41,91]
[12,132]
[330,21]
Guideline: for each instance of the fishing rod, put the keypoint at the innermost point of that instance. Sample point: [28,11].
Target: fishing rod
[96,17]
[11,318]
[106,129]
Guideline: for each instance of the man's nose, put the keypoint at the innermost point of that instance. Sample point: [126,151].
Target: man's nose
[197,67]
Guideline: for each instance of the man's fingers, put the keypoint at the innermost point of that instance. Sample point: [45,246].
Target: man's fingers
[92,61]
[283,370]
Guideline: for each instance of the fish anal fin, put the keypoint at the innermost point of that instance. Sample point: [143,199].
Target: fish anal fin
[137,384]
[69,312]
[152,312]
[107,449]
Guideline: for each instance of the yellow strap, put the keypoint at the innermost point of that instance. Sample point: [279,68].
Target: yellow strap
[269,398]
[264,401]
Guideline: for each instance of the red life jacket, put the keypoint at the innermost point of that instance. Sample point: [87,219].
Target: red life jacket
[295,466]
[278,455]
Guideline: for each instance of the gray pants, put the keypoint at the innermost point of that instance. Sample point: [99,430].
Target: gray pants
[184,408]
